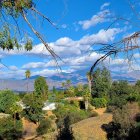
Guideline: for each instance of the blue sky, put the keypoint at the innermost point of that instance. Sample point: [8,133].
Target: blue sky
[81,23]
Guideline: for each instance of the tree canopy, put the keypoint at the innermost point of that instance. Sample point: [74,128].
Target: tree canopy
[40,86]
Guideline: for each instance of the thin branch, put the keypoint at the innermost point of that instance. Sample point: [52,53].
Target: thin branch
[53,54]
[133,10]
[39,13]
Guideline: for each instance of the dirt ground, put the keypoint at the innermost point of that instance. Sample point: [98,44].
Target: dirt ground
[90,129]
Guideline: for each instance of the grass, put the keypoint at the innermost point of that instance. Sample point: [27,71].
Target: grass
[90,128]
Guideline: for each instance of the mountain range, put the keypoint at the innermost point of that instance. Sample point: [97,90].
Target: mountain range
[57,79]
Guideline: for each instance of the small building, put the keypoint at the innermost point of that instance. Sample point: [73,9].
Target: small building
[82,102]
[49,106]
[23,106]
[74,99]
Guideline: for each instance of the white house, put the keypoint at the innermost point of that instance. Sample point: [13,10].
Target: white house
[49,106]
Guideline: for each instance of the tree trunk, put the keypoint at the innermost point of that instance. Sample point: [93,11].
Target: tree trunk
[86,104]
[27,85]
[89,83]
[15,120]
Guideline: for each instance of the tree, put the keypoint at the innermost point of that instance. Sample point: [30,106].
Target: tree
[44,126]
[71,91]
[63,85]
[68,84]
[41,87]
[7,101]
[138,83]
[14,109]
[34,105]
[120,87]
[101,83]
[89,77]
[125,125]
[14,9]
[79,90]
[10,130]
[27,74]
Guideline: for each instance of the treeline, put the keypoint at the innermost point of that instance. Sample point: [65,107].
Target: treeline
[14,107]
[119,97]
[122,100]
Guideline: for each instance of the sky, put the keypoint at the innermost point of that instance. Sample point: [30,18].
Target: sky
[81,23]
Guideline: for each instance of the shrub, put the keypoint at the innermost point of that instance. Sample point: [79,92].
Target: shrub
[10,129]
[52,117]
[118,100]
[133,97]
[44,126]
[75,115]
[99,102]
[75,103]
[125,123]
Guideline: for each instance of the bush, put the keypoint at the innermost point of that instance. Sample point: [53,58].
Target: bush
[10,129]
[44,126]
[133,97]
[99,102]
[75,103]
[75,115]
[118,100]
[125,123]
[52,117]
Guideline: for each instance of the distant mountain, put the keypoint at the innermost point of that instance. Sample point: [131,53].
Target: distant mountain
[33,77]
[129,79]
[57,79]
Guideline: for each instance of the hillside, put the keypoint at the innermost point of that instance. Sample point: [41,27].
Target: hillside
[90,129]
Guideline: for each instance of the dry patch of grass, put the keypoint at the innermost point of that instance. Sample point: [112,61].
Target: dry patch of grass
[90,129]
[29,129]
[100,111]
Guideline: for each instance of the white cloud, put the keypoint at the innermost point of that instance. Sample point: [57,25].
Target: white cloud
[33,65]
[102,36]
[14,68]
[66,47]
[104,5]
[100,17]
[73,52]
[64,26]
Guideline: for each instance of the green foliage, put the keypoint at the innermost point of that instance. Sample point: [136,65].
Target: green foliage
[71,91]
[65,132]
[34,105]
[99,102]
[101,83]
[44,126]
[120,87]
[27,74]
[79,90]
[74,114]
[41,87]
[15,7]
[8,100]
[117,100]
[57,96]
[28,45]
[74,103]
[9,129]
[133,97]
[125,117]
[125,126]
[137,83]
[7,42]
